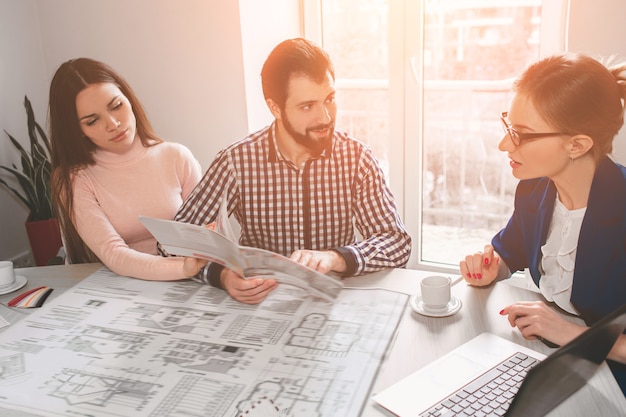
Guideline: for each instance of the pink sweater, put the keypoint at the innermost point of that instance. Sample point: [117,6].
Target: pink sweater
[111,194]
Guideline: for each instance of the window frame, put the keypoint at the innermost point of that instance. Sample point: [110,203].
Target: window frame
[406,88]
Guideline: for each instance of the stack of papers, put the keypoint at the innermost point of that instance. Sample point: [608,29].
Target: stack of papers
[186,239]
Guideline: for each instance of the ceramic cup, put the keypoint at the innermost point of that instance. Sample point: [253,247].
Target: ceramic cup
[435,291]
[7,276]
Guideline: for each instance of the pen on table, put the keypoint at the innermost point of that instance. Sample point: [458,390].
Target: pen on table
[20,297]
[32,298]
[456,281]
[43,297]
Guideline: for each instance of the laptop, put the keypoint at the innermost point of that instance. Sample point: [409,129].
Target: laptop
[452,383]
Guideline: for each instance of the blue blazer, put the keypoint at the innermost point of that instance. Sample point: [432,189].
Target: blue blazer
[599,283]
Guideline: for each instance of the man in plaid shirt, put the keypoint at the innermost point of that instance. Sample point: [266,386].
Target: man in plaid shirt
[298,187]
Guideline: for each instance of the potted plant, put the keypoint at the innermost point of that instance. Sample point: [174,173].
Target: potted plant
[33,179]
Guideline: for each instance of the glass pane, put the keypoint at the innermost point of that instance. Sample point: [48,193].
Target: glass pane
[359,52]
[472,51]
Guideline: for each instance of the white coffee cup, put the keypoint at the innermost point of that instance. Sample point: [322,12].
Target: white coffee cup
[7,275]
[435,291]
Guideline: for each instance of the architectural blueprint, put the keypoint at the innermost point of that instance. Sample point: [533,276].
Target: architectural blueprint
[116,346]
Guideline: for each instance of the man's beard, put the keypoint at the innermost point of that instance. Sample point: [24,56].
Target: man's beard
[316,146]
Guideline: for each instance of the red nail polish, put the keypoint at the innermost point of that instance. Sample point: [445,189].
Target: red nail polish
[479,276]
[469,275]
[474,276]
[502,312]
[486,261]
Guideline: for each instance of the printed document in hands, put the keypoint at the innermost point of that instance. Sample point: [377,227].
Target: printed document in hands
[186,239]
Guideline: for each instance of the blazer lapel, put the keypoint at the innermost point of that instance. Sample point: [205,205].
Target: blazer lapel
[541,227]
[601,233]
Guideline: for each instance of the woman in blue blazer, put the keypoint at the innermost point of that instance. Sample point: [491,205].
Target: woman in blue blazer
[568,228]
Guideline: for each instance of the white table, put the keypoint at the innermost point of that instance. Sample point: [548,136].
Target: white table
[57,277]
[419,340]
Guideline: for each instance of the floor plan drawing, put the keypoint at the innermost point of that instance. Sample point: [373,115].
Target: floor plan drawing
[207,356]
[304,388]
[316,335]
[174,319]
[106,341]
[11,367]
[199,396]
[104,387]
[252,329]
[114,346]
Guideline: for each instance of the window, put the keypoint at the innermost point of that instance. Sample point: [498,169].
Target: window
[423,83]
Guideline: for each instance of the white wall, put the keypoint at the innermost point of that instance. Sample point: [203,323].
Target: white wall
[22,72]
[183,59]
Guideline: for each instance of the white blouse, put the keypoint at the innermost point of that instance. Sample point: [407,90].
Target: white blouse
[559,256]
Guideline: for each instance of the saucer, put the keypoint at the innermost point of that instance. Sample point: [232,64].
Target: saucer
[20,281]
[418,306]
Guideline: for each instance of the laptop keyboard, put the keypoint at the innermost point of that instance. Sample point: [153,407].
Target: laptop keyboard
[488,395]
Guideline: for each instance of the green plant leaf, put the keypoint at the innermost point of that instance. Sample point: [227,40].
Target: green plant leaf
[35,129]
[34,177]
[28,197]
[43,208]
[15,192]
[27,166]
[44,138]
[38,156]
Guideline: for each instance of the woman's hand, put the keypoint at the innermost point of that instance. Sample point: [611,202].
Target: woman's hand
[191,266]
[535,319]
[481,268]
[249,291]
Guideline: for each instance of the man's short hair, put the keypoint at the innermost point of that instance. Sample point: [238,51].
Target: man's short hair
[296,56]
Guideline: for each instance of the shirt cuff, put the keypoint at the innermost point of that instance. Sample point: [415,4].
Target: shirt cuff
[214,272]
[350,259]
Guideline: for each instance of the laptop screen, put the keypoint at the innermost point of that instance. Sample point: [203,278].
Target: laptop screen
[568,369]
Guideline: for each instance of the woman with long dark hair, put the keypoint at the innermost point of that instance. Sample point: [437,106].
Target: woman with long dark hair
[108,168]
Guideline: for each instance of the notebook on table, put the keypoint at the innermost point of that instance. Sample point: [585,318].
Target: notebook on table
[489,375]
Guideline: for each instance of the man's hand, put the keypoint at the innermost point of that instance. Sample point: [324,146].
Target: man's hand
[249,291]
[321,261]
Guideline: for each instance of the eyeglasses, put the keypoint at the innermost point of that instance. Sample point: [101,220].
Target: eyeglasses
[517,137]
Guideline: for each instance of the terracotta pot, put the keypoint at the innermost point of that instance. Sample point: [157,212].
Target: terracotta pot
[45,240]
